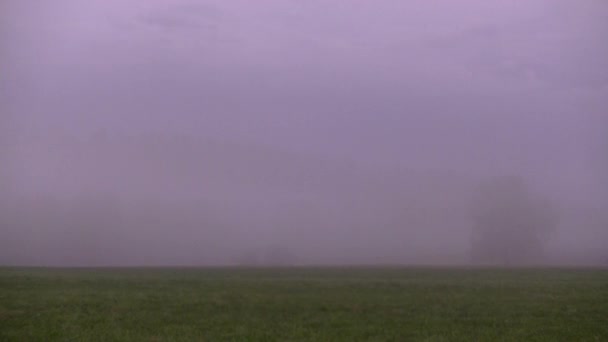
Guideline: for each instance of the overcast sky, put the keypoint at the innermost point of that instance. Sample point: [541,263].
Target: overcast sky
[487,84]
[472,87]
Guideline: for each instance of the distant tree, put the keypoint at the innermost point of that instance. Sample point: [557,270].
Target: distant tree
[277,255]
[510,224]
[248,258]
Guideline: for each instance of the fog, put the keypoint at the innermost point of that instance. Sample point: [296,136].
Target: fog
[142,133]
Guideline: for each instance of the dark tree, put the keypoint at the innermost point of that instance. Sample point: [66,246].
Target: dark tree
[510,223]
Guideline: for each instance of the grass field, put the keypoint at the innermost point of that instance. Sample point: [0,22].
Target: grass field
[307,304]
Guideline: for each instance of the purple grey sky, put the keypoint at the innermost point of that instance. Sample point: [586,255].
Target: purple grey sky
[467,88]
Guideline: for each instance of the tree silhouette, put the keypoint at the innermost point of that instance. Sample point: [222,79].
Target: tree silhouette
[510,223]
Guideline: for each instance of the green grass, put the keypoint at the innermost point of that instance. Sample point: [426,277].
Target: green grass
[308,304]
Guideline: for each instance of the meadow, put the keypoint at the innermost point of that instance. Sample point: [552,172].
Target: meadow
[303,304]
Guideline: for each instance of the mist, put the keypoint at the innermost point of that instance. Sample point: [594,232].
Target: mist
[295,132]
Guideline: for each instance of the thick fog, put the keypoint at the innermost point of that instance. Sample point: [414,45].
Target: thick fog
[173,132]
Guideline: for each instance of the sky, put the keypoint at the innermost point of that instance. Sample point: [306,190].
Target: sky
[420,92]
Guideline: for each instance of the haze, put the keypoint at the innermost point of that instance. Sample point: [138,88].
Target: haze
[301,132]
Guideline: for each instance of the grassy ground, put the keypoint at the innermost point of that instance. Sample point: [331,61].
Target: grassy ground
[303,305]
